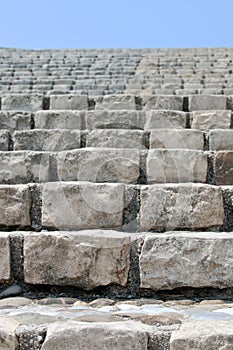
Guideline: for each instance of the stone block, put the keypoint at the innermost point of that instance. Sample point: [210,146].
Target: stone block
[4,140]
[168,102]
[184,206]
[114,120]
[60,120]
[92,336]
[89,258]
[15,120]
[8,338]
[203,335]
[110,138]
[82,205]
[22,102]
[74,102]
[223,168]
[186,259]
[5,268]
[99,165]
[161,119]
[220,140]
[206,120]
[15,203]
[205,102]
[115,102]
[46,140]
[176,165]
[177,138]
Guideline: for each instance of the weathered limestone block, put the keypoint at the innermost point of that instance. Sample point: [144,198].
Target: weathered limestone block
[89,258]
[206,120]
[192,206]
[169,102]
[121,119]
[176,165]
[161,119]
[203,102]
[60,120]
[74,102]
[223,168]
[99,165]
[177,138]
[92,336]
[82,205]
[8,340]
[220,140]
[22,167]
[110,138]
[15,205]
[199,335]
[22,102]
[186,259]
[46,140]
[5,272]
[4,140]
[13,120]
[115,102]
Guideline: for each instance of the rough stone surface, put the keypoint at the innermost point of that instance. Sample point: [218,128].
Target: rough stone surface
[22,102]
[163,119]
[176,165]
[223,168]
[177,138]
[220,140]
[197,102]
[206,120]
[99,165]
[195,335]
[14,205]
[60,119]
[117,102]
[4,140]
[46,140]
[162,102]
[8,339]
[186,259]
[74,102]
[13,120]
[89,258]
[5,272]
[185,206]
[82,205]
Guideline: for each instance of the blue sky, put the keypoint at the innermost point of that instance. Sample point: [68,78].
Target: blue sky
[105,23]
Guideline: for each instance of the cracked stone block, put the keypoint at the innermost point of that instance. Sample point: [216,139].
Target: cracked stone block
[82,205]
[168,102]
[5,269]
[203,102]
[13,120]
[73,102]
[176,165]
[206,120]
[22,102]
[90,258]
[184,206]
[220,140]
[162,119]
[223,167]
[186,259]
[60,120]
[8,340]
[4,140]
[115,102]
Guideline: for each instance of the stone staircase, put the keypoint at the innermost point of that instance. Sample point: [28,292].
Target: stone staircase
[116,208]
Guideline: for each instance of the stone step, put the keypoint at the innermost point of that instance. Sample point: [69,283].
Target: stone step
[177,139]
[220,140]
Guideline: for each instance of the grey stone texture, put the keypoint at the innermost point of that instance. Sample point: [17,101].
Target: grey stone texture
[4,140]
[117,102]
[73,102]
[220,140]
[8,338]
[162,102]
[59,119]
[13,120]
[206,120]
[223,168]
[162,119]
[22,102]
[5,269]
[207,102]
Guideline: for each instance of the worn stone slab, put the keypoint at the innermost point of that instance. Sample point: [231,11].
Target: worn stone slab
[60,120]
[82,205]
[115,102]
[73,102]
[206,120]
[162,119]
[46,140]
[5,268]
[15,203]
[8,340]
[90,258]
[223,168]
[99,165]
[13,120]
[22,102]
[220,140]
[4,140]
[88,336]
[110,138]
[121,119]
[184,206]
[168,102]
[186,259]
[176,165]
[177,138]
[203,102]
[214,335]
